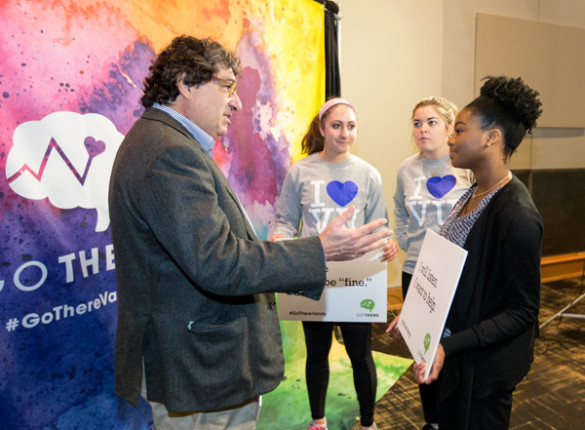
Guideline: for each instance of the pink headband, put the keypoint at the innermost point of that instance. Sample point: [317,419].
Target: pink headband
[329,104]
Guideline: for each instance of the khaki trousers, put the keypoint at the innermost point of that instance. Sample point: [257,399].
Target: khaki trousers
[238,417]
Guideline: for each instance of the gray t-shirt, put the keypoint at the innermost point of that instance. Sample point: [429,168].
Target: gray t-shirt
[426,191]
[315,191]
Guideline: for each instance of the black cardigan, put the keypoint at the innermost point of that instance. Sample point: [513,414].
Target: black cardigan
[494,315]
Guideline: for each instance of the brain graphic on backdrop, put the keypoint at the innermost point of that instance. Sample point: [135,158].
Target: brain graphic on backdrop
[90,57]
[65,157]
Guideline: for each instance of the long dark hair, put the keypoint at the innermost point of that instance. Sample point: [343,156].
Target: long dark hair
[313,139]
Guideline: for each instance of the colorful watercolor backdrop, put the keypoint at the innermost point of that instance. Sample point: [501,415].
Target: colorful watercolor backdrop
[71,77]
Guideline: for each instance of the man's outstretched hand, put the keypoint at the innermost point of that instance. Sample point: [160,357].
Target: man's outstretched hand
[340,243]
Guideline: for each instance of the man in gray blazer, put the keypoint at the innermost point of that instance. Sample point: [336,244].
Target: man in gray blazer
[198,332]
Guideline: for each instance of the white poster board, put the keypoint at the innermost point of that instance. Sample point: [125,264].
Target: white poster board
[429,296]
[356,291]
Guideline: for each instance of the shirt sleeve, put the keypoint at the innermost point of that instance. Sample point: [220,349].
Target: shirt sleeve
[376,203]
[288,212]
[400,213]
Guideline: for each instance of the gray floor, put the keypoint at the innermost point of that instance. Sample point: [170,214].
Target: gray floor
[551,397]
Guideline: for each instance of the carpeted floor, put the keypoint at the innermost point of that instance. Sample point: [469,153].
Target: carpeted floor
[551,397]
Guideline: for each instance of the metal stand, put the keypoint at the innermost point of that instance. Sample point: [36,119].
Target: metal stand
[562,314]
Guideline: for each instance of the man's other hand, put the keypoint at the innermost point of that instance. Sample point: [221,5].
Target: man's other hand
[340,243]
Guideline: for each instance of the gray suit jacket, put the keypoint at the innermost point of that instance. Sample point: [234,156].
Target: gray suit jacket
[194,284]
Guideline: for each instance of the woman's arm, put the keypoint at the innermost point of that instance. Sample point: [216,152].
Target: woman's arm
[400,213]
[514,299]
[288,210]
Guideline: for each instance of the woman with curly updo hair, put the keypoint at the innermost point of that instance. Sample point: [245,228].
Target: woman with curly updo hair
[488,343]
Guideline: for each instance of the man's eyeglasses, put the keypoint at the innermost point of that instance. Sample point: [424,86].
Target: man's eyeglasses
[226,83]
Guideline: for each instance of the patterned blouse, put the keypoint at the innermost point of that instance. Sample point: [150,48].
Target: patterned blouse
[456,228]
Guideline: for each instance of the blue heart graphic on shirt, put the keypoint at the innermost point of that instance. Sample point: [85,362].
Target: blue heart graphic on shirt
[342,193]
[438,186]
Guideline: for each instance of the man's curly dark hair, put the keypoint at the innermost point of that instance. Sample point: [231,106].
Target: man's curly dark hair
[196,60]
[510,105]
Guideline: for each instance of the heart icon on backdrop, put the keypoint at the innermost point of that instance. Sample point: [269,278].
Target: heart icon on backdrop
[342,192]
[94,147]
[439,186]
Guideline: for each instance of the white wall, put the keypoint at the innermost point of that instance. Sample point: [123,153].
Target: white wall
[391,54]
[395,52]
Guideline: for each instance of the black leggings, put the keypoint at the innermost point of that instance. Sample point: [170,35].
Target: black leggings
[357,341]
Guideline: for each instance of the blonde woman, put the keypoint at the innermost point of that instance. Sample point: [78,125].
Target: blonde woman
[427,188]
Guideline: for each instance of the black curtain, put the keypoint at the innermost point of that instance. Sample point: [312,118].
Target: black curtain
[332,78]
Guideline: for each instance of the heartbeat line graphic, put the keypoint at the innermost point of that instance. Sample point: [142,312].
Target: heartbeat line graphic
[93,147]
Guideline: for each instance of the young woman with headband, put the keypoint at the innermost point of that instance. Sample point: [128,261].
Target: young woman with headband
[306,204]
